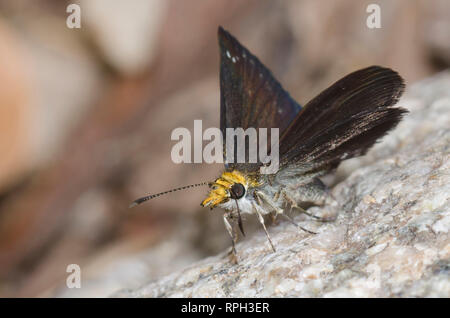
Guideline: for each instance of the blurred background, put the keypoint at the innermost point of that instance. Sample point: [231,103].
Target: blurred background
[86,116]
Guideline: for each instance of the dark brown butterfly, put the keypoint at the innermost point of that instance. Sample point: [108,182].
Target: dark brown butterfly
[342,122]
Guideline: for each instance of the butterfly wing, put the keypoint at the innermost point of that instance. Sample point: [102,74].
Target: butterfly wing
[344,121]
[249,94]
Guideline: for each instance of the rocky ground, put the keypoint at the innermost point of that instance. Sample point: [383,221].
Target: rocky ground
[390,239]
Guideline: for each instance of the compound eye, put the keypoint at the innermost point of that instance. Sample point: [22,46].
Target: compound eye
[237,191]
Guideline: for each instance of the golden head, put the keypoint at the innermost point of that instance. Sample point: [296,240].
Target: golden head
[230,185]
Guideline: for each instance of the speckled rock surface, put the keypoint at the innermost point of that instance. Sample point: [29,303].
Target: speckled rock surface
[390,239]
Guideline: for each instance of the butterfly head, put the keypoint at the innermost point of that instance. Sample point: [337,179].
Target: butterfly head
[230,185]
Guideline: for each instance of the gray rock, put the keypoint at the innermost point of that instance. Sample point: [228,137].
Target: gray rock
[390,239]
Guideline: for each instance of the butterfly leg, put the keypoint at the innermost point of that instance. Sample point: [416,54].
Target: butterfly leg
[275,198]
[294,223]
[316,193]
[261,220]
[273,217]
[293,205]
[233,235]
[260,196]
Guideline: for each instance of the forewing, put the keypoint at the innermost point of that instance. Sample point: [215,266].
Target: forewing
[343,121]
[249,94]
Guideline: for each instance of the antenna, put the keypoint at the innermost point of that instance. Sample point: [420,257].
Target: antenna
[151,196]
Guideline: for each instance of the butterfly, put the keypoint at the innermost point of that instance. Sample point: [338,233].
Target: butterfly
[342,122]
